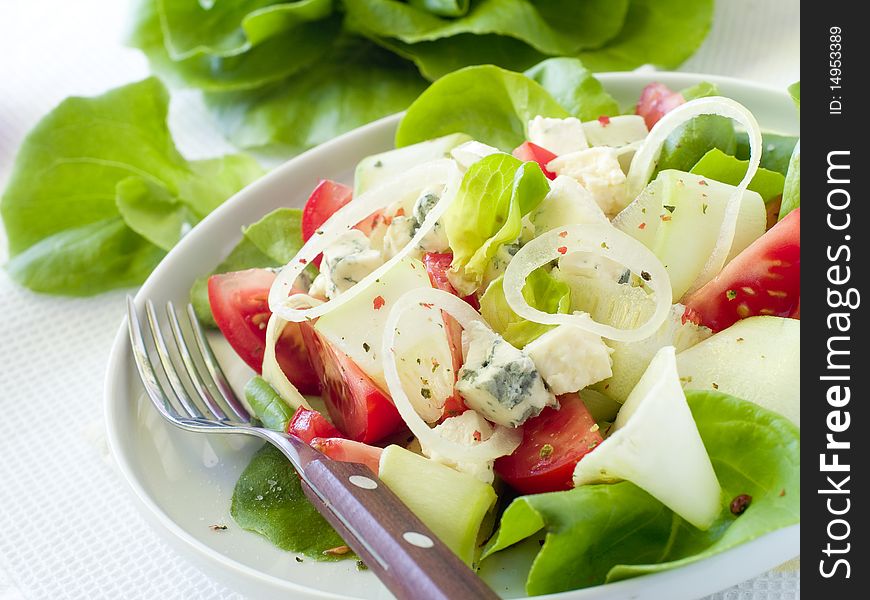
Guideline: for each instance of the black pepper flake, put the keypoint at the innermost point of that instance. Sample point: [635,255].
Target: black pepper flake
[426,393]
[379,164]
[361,566]
[366,347]
[715,386]
[704,208]
[670,208]
[645,276]
[299,560]
[218,527]
[740,504]
[605,246]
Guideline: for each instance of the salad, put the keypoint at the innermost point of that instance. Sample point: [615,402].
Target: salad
[584,345]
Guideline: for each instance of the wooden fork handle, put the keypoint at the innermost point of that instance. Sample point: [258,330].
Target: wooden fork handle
[405,555]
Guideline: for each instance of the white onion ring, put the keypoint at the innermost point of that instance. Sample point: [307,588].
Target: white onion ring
[503,441]
[644,162]
[602,240]
[271,370]
[442,171]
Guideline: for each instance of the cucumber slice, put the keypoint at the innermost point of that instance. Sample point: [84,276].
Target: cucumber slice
[757,359]
[378,168]
[679,215]
[452,504]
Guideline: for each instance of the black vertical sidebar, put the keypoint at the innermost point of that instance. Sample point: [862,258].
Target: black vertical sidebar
[835,358]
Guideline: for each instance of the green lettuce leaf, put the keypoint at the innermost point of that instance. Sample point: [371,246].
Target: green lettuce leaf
[495,193]
[554,27]
[663,33]
[794,90]
[270,242]
[541,291]
[268,499]
[574,87]
[249,66]
[442,8]
[356,83]
[601,533]
[488,103]
[685,146]
[98,192]
[725,168]
[776,152]
[791,194]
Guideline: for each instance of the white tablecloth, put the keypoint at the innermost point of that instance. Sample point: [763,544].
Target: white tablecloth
[68,528]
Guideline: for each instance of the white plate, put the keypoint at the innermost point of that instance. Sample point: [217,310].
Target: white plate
[184,482]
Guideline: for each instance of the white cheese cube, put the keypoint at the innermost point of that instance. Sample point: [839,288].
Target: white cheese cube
[498,380]
[559,136]
[597,170]
[615,131]
[570,358]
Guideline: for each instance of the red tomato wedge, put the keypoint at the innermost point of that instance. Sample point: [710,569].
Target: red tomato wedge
[527,151]
[308,424]
[324,201]
[656,100]
[240,304]
[553,443]
[437,266]
[764,279]
[357,406]
[349,451]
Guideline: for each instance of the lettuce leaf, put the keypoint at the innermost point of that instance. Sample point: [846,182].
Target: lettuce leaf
[442,8]
[791,194]
[574,87]
[98,192]
[496,192]
[725,168]
[269,500]
[542,291]
[602,533]
[777,150]
[490,104]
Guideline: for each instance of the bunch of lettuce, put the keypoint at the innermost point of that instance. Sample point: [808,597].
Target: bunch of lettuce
[282,76]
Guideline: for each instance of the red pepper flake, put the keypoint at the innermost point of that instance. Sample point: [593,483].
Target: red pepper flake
[702,182]
[426,304]
[476,435]
[740,504]
[562,249]
[665,217]
[302,261]
[563,234]
[782,493]
[642,226]
[604,120]
[378,302]
[388,220]
[400,212]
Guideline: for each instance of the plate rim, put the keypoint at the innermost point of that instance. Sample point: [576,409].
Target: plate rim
[119,359]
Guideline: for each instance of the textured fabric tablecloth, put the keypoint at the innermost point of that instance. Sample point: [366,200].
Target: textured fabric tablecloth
[68,528]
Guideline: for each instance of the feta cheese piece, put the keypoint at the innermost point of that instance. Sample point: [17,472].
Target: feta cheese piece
[403,227]
[467,429]
[470,152]
[615,131]
[570,358]
[435,240]
[559,136]
[498,380]
[347,261]
[597,170]
[567,203]
[398,235]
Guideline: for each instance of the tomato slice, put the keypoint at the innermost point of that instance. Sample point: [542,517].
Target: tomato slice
[349,451]
[527,151]
[324,201]
[656,100]
[308,424]
[357,406]
[240,304]
[436,266]
[553,443]
[764,279]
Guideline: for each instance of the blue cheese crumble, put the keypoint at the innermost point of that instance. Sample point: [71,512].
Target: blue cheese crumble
[345,263]
[500,381]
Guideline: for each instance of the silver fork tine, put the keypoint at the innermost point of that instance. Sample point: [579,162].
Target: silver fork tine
[168,368]
[190,366]
[143,365]
[214,368]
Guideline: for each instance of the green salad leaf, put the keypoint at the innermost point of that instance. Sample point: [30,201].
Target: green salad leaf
[443,8]
[553,27]
[541,291]
[495,193]
[602,533]
[776,150]
[663,33]
[725,168]
[488,103]
[268,499]
[685,146]
[99,192]
[357,83]
[794,90]
[791,194]
[574,87]
[270,242]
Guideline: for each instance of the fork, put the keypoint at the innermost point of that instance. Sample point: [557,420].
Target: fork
[405,555]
